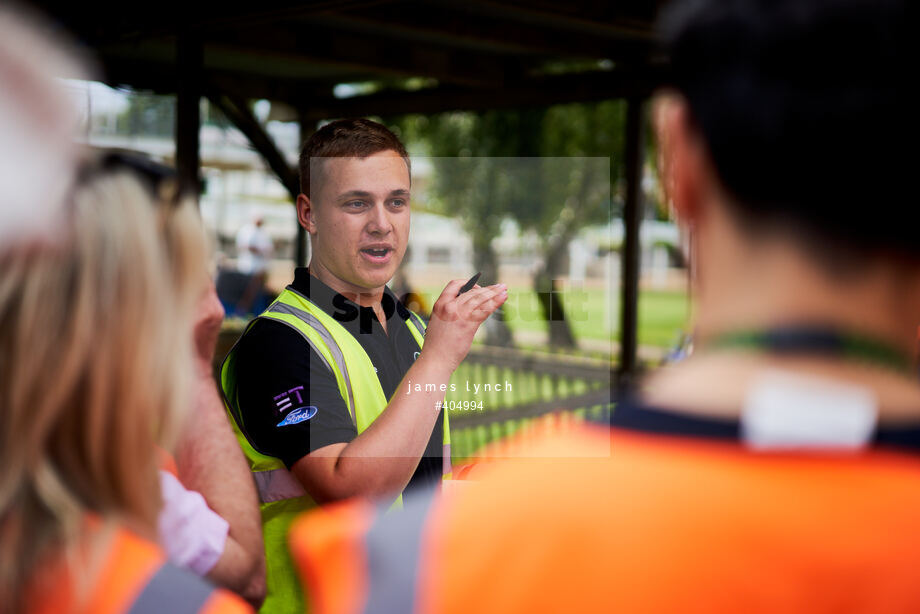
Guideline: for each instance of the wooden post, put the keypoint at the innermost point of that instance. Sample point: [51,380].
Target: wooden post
[189,67]
[237,112]
[629,276]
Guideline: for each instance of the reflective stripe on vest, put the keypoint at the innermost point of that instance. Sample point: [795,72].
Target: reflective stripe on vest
[418,325]
[446,467]
[282,308]
[310,320]
[172,590]
[394,547]
[277,485]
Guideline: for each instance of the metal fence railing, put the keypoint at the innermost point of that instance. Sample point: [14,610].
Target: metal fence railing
[515,387]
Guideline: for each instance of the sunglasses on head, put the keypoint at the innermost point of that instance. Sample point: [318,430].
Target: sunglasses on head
[159,179]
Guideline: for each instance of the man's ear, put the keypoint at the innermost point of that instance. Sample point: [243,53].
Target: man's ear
[684,164]
[305,213]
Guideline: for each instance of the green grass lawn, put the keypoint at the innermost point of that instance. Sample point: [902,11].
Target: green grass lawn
[525,388]
[662,316]
[594,313]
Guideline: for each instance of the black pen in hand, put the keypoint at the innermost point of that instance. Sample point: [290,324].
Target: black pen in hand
[469,285]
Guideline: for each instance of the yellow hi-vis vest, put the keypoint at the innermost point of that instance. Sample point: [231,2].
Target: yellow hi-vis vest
[281,495]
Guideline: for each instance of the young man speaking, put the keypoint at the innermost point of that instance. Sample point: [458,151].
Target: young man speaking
[313,384]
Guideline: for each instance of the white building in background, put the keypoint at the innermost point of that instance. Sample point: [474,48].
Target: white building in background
[440,249]
[238,185]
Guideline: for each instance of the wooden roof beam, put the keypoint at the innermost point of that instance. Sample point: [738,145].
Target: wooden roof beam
[536,92]
[435,22]
[382,55]
[237,112]
[577,21]
[161,78]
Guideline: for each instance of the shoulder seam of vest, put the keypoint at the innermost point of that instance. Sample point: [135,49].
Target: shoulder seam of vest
[299,332]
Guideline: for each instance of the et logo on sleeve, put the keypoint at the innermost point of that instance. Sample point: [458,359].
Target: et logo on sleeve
[285,400]
[301,414]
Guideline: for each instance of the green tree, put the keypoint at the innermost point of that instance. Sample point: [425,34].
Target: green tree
[578,144]
[148,115]
[547,169]
[472,155]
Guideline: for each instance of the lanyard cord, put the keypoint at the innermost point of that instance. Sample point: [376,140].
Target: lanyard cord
[823,340]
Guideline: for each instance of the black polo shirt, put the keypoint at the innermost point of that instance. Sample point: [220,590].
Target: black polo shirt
[278,374]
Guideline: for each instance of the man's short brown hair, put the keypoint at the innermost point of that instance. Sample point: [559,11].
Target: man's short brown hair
[347,138]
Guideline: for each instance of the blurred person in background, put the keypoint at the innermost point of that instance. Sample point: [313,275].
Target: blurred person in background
[37,125]
[253,253]
[404,290]
[774,470]
[253,247]
[96,361]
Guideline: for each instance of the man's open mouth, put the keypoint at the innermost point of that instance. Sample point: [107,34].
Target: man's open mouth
[378,254]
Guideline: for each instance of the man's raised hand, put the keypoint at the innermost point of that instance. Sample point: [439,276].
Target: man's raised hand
[455,320]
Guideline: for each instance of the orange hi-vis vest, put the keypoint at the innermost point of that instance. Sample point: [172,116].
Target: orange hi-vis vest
[134,578]
[599,520]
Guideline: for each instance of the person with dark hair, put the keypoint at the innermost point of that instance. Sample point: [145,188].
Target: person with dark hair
[331,390]
[775,469]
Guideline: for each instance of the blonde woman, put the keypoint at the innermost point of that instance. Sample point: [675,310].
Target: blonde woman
[95,354]
[210,521]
